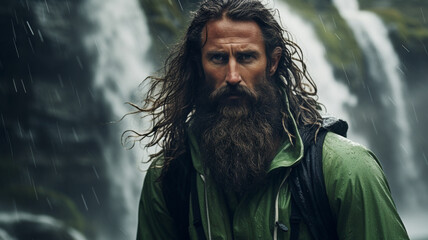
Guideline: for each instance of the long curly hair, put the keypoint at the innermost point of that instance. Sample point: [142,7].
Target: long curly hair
[171,99]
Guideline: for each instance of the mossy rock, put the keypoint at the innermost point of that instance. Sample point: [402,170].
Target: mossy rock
[39,200]
[342,50]
[166,20]
[405,31]
[408,32]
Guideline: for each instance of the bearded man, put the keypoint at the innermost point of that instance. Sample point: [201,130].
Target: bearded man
[230,114]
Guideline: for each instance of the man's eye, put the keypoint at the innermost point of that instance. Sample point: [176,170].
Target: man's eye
[218,58]
[245,57]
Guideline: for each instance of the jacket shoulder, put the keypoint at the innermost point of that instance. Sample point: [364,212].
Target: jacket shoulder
[358,192]
[342,153]
[346,164]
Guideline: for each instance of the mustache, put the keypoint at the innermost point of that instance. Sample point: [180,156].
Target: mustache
[235,90]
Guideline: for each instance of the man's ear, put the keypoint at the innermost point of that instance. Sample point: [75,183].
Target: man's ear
[276,55]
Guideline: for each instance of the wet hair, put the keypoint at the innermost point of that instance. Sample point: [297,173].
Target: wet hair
[171,98]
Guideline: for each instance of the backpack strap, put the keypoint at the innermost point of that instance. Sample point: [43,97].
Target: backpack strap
[176,185]
[295,220]
[197,219]
[308,191]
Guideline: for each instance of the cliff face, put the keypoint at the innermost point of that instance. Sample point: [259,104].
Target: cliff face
[408,28]
[51,120]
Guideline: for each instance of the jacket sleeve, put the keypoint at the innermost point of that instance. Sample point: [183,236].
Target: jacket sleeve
[154,222]
[358,192]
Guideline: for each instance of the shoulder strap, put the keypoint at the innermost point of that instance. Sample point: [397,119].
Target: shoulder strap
[295,220]
[307,184]
[176,186]
[197,219]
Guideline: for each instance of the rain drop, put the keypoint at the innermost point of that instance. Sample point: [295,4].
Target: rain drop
[40,35]
[34,188]
[23,86]
[13,29]
[75,135]
[49,203]
[374,126]
[14,85]
[322,22]
[29,73]
[59,133]
[95,171]
[60,81]
[84,202]
[32,156]
[343,68]
[47,6]
[179,2]
[20,129]
[78,98]
[79,62]
[414,112]
[16,47]
[95,195]
[29,27]
[425,157]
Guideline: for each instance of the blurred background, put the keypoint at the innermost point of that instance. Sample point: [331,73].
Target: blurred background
[68,66]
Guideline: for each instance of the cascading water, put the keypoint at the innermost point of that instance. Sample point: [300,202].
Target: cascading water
[384,67]
[318,66]
[372,36]
[121,42]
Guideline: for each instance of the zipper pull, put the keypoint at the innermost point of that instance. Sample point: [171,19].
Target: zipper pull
[282,226]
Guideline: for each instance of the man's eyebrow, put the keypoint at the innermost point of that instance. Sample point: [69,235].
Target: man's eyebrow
[213,53]
[216,52]
[249,52]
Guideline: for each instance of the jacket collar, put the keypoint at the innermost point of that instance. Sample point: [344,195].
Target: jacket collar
[288,154]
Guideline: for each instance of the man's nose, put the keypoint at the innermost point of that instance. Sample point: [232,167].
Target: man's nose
[233,77]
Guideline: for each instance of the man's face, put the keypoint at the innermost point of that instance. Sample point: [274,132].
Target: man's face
[238,113]
[233,54]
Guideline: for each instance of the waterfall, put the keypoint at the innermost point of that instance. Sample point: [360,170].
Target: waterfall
[372,36]
[121,41]
[384,67]
[318,66]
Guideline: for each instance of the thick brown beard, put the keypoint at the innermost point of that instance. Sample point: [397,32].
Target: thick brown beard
[238,139]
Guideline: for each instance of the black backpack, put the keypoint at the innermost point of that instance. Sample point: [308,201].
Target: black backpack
[308,193]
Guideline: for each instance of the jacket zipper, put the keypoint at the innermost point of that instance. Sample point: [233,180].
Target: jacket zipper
[275,231]
[206,206]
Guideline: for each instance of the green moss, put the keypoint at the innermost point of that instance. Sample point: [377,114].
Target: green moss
[409,8]
[39,200]
[407,30]
[342,50]
[407,22]
[166,22]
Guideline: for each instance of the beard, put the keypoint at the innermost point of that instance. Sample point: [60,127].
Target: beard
[239,137]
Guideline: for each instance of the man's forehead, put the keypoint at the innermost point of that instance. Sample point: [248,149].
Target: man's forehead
[233,31]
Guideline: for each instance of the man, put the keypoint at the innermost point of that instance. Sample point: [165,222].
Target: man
[228,113]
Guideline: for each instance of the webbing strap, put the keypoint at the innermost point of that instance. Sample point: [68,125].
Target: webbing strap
[295,220]
[197,219]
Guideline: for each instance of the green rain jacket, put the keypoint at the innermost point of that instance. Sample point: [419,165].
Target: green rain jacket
[357,190]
